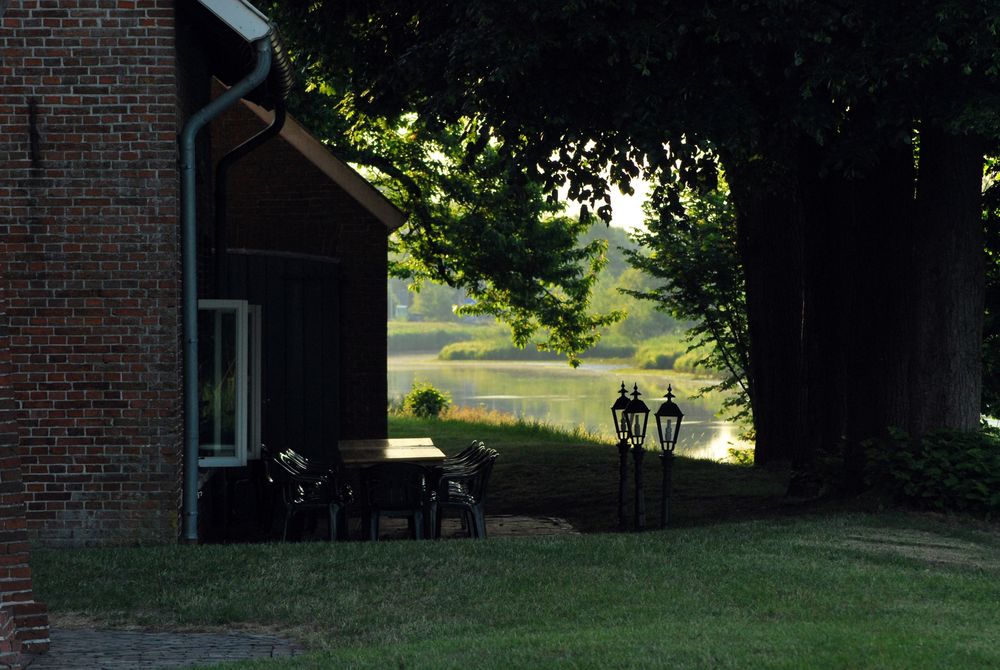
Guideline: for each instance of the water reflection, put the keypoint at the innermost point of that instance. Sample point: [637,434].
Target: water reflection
[557,394]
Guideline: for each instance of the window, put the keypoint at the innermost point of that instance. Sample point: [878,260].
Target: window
[222,382]
[253,413]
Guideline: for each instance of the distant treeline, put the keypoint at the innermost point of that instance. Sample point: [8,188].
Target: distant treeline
[486,341]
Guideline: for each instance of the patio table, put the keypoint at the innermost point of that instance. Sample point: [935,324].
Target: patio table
[361,453]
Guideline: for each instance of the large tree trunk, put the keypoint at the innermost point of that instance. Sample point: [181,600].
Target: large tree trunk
[876,270]
[946,352]
[827,210]
[854,281]
[893,291]
[770,245]
[864,302]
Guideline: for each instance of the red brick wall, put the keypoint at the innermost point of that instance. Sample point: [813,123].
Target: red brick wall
[24,623]
[279,201]
[90,240]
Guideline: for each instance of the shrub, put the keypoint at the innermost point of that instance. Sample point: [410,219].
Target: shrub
[502,349]
[692,362]
[425,337]
[741,456]
[672,352]
[425,401]
[945,470]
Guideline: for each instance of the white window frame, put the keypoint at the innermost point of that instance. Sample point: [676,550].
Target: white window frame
[255,314]
[240,308]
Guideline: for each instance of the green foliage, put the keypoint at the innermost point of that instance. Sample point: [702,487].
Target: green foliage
[425,401]
[477,221]
[429,336]
[690,251]
[434,302]
[660,353]
[991,320]
[740,456]
[945,470]
[477,112]
[500,349]
[643,320]
[697,362]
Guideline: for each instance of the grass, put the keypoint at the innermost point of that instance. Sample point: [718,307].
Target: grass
[831,590]
[543,471]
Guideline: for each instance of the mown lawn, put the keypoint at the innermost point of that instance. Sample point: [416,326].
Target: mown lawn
[818,590]
[844,591]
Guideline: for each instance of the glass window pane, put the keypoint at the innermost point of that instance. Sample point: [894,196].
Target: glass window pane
[217,377]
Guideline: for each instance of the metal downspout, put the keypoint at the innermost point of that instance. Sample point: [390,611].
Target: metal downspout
[221,192]
[189,230]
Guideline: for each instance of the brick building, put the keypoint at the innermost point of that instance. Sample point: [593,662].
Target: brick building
[291,306]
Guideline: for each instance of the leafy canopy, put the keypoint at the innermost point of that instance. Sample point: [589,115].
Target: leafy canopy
[474,113]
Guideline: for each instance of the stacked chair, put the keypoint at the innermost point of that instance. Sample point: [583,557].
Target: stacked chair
[398,490]
[309,485]
[461,485]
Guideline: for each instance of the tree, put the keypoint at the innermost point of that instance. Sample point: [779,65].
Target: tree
[690,249]
[862,257]
[434,302]
[477,221]
[991,340]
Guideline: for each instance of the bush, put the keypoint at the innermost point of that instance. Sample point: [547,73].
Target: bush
[651,361]
[502,349]
[659,354]
[425,401]
[423,337]
[741,456]
[942,471]
[691,362]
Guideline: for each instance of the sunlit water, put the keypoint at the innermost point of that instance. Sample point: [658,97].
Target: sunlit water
[570,398]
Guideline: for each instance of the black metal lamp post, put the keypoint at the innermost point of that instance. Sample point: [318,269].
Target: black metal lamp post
[668,427]
[636,416]
[621,430]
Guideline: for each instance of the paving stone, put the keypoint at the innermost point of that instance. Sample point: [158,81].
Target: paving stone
[89,649]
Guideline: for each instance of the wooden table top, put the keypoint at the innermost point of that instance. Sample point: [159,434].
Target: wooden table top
[399,449]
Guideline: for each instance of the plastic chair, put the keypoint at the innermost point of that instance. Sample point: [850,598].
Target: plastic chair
[308,485]
[464,489]
[399,490]
[470,452]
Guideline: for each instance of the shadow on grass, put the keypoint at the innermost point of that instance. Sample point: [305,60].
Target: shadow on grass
[545,472]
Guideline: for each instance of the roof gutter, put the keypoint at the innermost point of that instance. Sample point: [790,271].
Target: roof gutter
[250,30]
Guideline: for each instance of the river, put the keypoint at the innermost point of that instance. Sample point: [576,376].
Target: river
[570,398]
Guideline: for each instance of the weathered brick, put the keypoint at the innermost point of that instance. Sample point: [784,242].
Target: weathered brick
[91,247]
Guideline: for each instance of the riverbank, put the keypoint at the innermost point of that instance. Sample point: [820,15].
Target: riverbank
[452,341]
